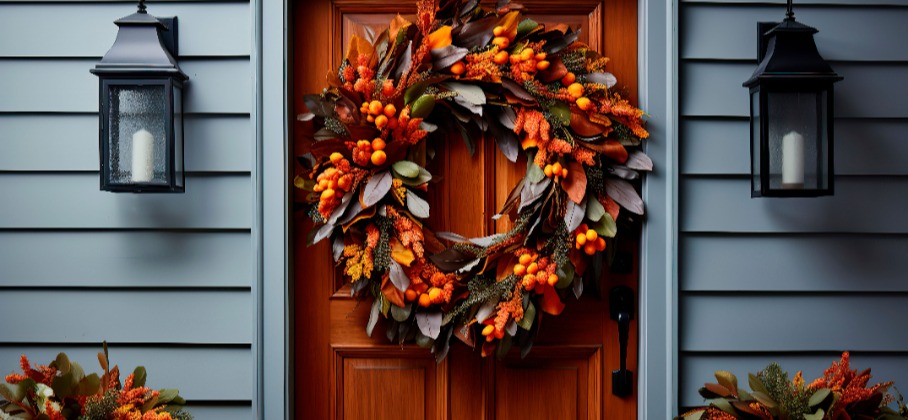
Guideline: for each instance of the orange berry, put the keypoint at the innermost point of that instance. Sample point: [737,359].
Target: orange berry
[375,107]
[526,259]
[542,65]
[589,248]
[362,144]
[378,144]
[533,268]
[490,338]
[499,334]
[424,300]
[501,57]
[344,183]
[332,184]
[556,168]
[381,121]
[526,54]
[564,173]
[370,118]
[501,42]
[600,244]
[553,279]
[379,157]
[392,123]
[435,295]
[529,285]
[328,193]
[488,330]
[318,188]
[575,90]
[458,68]
[584,103]
[547,171]
[577,245]
[581,239]
[520,269]
[498,30]
[568,79]
[390,110]
[591,235]
[410,295]
[515,58]
[583,228]
[540,56]
[335,157]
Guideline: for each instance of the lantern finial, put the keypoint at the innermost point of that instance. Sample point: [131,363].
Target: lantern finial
[142,6]
[788,14]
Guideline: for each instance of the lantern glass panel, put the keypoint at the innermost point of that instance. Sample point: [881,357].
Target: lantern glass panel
[796,135]
[138,134]
[178,136]
[755,126]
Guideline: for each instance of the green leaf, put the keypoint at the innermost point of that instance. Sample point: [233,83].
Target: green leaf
[168,395]
[405,169]
[62,363]
[7,393]
[423,177]
[562,113]
[565,274]
[401,314]
[525,27]
[529,316]
[818,397]
[63,385]
[815,416]
[764,399]
[594,209]
[471,93]
[504,345]
[140,376]
[415,91]
[723,405]
[89,385]
[423,341]
[606,226]
[726,378]
[422,107]
[756,384]
[534,172]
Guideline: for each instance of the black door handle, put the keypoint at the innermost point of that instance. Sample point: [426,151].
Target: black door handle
[621,307]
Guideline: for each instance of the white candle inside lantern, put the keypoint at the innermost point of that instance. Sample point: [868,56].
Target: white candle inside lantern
[142,156]
[793,160]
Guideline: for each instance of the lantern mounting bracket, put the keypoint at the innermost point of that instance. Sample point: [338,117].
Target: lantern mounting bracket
[170,36]
[762,39]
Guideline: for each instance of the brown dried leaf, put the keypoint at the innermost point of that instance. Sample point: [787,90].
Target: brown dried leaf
[556,71]
[575,183]
[582,125]
[390,291]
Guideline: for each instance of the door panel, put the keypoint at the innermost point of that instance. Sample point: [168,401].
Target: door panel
[340,373]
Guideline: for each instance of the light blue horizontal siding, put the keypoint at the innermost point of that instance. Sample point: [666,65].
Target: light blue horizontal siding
[125,259]
[789,263]
[215,412]
[200,373]
[792,280]
[216,85]
[41,142]
[60,201]
[862,147]
[793,322]
[869,90]
[42,30]
[124,316]
[872,204]
[885,367]
[738,29]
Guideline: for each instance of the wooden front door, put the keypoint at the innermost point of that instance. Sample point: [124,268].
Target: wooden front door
[340,373]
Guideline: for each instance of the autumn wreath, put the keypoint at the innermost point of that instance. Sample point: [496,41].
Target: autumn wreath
[466,70]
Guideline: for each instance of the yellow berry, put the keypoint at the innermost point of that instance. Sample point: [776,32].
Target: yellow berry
[591,235]
[362,144]
[498,30]
[556,168]
[533,268]
[542,65]
[564,173]
[525,259]
[378,157]
[575,90]
[581,239]
[326,194]
[435,295]
[335,157]
[488,330]
[501,42]
[584,103]
[547,171]
[344,183]
[540,56]
[553,279]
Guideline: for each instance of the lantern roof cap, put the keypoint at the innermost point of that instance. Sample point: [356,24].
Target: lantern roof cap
[139,49]
[791,53]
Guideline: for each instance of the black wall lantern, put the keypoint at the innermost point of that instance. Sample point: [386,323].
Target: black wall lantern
[141,107]
[791,113]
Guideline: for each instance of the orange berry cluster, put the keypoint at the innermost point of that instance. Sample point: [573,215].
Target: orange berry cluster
[536,272]
[528,60]
[367,152]
[333,182]
[588,240]
[491,333]
[432,295]
[576,91]
[555,170]
[380,114]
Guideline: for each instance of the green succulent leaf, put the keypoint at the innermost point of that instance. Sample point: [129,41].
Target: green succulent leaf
[405,169]
[422,107]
